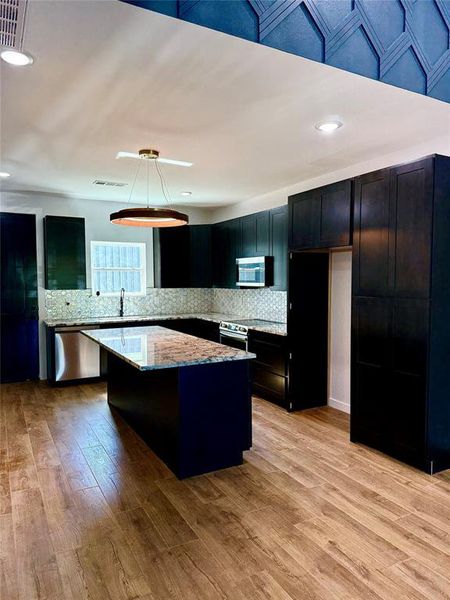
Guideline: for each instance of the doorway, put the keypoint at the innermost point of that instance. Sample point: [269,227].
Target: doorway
[339,344]
[19,359]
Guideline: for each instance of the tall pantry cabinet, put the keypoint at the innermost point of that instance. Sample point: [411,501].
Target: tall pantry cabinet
[400,398]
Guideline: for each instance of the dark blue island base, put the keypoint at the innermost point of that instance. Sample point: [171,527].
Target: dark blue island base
[195,418]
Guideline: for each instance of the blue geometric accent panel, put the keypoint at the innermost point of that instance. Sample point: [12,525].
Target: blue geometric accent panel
[405,43]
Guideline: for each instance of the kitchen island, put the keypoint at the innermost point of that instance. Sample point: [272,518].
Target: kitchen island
[188,398]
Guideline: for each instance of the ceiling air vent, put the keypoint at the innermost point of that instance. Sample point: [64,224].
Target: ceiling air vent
[109,183]
[12,22]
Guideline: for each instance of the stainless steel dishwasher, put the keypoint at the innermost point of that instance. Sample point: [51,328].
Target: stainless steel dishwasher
[76,356]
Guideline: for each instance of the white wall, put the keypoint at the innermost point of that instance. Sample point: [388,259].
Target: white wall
[279,197]
[340,330]
[98,227]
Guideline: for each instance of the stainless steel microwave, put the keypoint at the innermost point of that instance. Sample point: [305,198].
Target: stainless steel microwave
[254,272]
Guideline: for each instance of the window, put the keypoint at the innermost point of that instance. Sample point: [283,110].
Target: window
[116,265]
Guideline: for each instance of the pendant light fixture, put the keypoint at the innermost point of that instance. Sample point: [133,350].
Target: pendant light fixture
[149,216]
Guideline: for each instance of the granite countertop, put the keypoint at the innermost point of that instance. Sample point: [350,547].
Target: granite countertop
[274,327]
[153,347]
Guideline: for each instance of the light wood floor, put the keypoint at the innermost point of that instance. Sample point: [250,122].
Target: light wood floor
[88,512]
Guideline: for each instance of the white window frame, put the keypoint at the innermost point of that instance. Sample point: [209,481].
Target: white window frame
[143,252]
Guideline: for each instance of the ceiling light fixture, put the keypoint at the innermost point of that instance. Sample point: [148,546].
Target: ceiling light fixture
[4,174]
[328,126]
[160,159]
[149,216]
[186,193]
[17,58]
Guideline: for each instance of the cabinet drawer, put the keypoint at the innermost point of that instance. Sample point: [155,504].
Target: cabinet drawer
[269,355]
[274,385]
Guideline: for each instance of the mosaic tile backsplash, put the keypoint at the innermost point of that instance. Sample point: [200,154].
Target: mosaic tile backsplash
[256,304]
[68,304]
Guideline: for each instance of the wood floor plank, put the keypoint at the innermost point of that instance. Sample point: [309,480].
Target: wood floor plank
[8,574]
[418,576]
[88,512]
[167,520]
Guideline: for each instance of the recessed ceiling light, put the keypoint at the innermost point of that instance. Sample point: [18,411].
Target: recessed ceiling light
[328,126]
[186,193]
[4,174]
[16,58]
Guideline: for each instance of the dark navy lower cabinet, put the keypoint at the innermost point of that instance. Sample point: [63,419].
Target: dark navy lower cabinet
[270,368]
[308,329]
[400,397]
[19,352]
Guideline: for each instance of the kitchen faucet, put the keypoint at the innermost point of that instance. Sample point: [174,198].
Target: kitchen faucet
[122,296]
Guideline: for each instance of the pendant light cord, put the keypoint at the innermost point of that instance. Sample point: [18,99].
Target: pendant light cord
[148,184]
[164,187]
[134,181]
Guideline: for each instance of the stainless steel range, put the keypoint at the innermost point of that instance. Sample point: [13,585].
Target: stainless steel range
[235,333]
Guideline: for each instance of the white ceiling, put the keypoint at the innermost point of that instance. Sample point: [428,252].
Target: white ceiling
[109,76]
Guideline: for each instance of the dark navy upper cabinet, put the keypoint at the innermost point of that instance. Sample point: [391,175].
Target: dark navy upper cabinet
[304,220]
[200,256]
[278,226]
[259,234]
[171,257]
[262,238]
[255,234]
[371,237]
[65,253]
[182,256]
[248,236]
[411,188]
[336,215]
[401,316]
[321,218]
[227,246]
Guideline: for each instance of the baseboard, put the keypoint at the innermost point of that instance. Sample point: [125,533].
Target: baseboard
[339,405]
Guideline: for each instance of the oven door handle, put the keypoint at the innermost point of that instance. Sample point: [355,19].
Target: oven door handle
[241,338]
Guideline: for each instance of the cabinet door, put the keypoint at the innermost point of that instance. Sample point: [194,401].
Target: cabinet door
[234,251]
[262,240]
[171,257]
[371,235]
[219,259]
[371,370]
[409,367]
[410,336]
[304,219]
[308,329]
[412,208]
[336,215]
[19,324]
[226,248]
[65,253]
[279,246]
[200,270]
[248,233]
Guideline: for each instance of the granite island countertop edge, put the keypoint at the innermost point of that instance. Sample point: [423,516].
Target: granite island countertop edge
[239,355]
